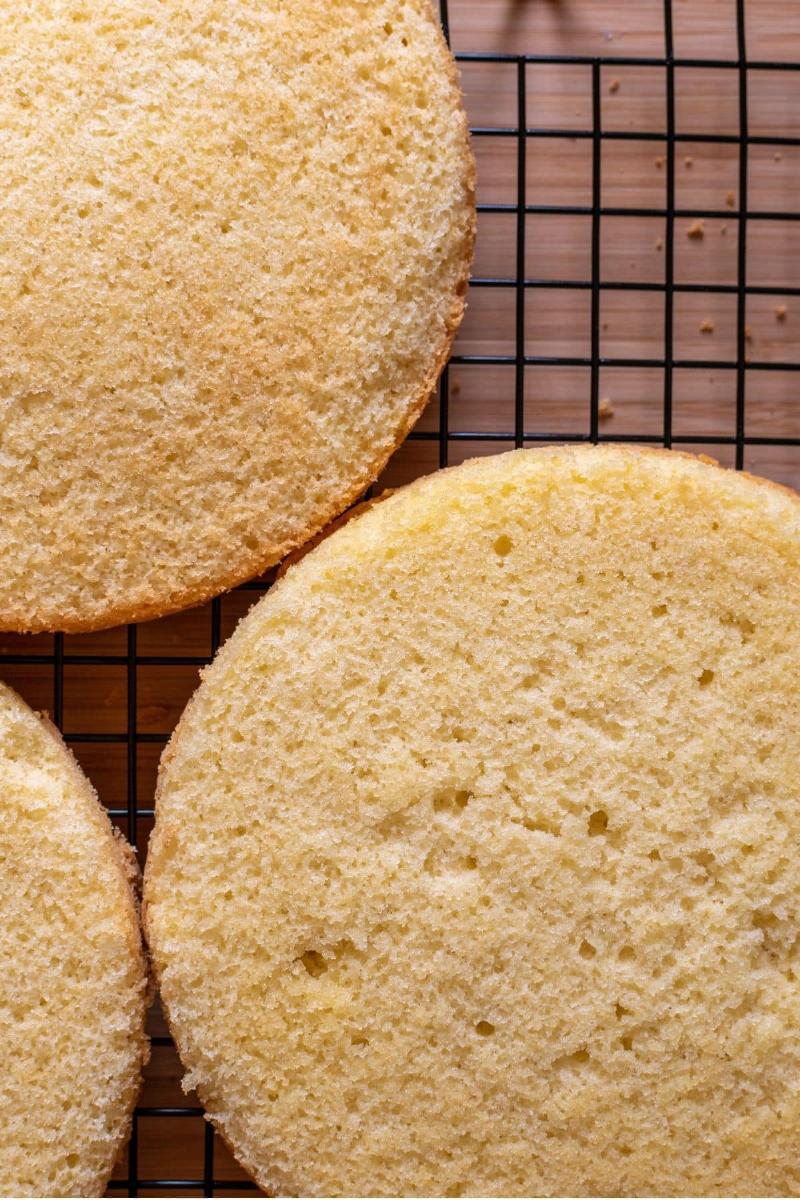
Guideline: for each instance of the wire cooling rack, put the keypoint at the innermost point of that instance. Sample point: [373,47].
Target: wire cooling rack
[117,695]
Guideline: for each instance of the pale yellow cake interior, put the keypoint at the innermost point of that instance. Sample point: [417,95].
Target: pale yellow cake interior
[72,978]
[476,860]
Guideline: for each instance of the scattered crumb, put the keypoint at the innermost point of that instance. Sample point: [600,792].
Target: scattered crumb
[153,714]
[723,230]
[688,161]
[455,388]
[613,87]
[730,200]
[780,312]
[660,160]
[659,243]
[748,333]
[697,229]
[707,326]
[777,156]
[605,409]
[604,326]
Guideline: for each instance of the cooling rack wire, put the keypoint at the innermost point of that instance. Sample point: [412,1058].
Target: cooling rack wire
[635,281]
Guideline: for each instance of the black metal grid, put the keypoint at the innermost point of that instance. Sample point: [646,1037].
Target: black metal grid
[205,1180]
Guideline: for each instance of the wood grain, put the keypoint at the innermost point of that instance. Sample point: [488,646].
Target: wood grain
[558,250]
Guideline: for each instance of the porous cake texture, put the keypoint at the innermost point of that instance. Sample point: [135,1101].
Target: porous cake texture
[72,971]
[475,867]
[234,246]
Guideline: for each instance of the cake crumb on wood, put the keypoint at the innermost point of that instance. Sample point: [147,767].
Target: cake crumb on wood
[688,161]
[723,230]
[730,199]
[697,229]
[613,87]
[660,160]
[605,409]
[748,333]
[707,326]
[153,714]
[780,312]
[777,156]
[659,243]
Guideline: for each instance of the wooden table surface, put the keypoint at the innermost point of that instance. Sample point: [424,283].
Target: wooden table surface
[558,248]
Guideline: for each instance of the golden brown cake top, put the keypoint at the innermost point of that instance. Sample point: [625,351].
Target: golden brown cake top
[234,242]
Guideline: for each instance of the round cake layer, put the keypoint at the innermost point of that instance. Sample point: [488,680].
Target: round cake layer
[475,867]
[234,246]
[72,972]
